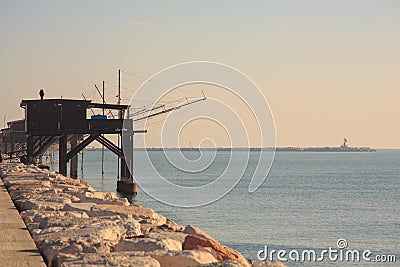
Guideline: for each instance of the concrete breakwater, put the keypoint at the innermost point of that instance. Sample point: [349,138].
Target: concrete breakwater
[72,224]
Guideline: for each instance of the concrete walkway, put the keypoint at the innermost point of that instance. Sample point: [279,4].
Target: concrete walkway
[16,245]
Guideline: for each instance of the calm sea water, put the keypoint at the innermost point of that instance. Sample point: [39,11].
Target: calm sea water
[308,201]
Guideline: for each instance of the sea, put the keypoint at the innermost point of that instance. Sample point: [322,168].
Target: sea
[310,202]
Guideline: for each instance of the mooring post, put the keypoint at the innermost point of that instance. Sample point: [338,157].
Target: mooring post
[62,150]
[126,184]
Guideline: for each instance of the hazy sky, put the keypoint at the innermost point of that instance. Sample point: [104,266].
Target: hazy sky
[329,69]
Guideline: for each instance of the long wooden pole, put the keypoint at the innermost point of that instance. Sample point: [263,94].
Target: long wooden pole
[102,147]
[82,160]
[119,116]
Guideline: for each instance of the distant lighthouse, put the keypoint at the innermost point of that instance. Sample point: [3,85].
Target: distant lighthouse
[344,142]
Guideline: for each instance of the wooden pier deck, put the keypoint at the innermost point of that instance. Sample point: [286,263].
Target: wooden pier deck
[16,245]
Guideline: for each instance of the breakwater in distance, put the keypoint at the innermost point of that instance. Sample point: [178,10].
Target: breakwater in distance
[253,149]
[72,224]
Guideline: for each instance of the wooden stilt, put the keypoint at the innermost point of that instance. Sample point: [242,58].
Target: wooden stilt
[73,170]
[62,150]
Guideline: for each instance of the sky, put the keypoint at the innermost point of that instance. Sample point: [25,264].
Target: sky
[328,69]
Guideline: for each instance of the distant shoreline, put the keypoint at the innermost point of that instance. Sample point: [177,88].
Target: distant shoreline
[278,149]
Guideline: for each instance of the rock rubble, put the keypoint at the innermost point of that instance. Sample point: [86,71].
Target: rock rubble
[72,224]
